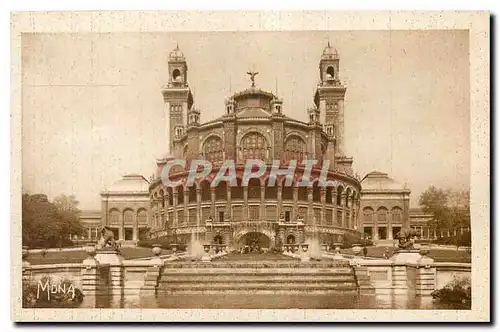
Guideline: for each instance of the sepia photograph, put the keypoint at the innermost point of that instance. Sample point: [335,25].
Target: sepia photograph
[288,170]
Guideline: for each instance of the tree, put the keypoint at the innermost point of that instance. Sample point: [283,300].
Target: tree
[66,203]
[46,224]
[451,210]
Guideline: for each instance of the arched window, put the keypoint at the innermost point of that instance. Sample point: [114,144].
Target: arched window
[192,194]
[212,149]
[340,189]
[142,217]
[128,216]
[162,198]
[176,75]
[114,216]
[170,196]
[382,214]
[316,192]
[205,191]
[254,146]
[328,195]
[368,215]
[330,73]
[295,149]
[348,197]
[180,195]
[397,214]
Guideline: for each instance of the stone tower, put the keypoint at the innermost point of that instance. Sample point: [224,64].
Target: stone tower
[329,100]
[178,101]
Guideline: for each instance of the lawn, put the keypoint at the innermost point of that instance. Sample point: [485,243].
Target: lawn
[79,256]
[439,255]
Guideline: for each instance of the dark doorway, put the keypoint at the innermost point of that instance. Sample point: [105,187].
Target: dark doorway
[382,233]
[129,234]
[290,239]
[368,233]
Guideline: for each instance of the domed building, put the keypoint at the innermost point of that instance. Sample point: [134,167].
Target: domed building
[125,208]
[264,210]
[385,205]
[254,125]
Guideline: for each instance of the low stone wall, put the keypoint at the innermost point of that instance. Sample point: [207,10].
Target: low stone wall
[447,271]
[107,277]
[410,274]
[56,273]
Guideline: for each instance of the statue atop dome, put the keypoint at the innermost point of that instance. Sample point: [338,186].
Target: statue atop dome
[252,74]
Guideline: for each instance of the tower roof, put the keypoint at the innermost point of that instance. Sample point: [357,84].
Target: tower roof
[176,54]
[330,52]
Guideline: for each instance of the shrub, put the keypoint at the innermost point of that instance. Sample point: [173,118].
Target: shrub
[457,291]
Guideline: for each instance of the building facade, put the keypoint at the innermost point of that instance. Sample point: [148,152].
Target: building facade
[385,206]
[254,125]
[125,208]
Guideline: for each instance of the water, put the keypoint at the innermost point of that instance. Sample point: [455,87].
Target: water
[269,301]
[195,247]
[314,250]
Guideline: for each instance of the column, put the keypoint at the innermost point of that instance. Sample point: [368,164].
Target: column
[186,201]
[135,229]
[245,204]
[295,202]
[310,212]
[358,223]
[167,202]
[334,200]
[389,225]
[158,212]
[375,225]
[262,202]
[89,230]
[198,207]
[212,208]
[176,221]
[121,232]
[279,206]
[343,208]
[228,203]
[323,205]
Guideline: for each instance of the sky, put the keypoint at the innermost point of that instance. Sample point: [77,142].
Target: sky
[92,109]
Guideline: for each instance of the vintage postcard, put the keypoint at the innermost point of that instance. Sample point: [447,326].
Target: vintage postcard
[250,166]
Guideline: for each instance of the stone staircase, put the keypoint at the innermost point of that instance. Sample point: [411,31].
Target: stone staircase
[258,278]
